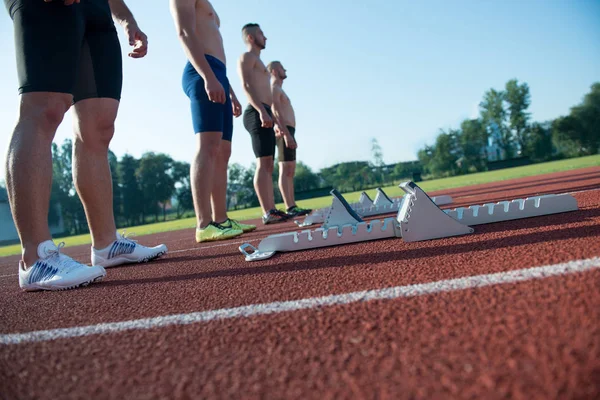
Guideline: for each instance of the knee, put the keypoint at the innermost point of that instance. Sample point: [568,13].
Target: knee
[95,134]
[209,150]
[266,166]
[45,113]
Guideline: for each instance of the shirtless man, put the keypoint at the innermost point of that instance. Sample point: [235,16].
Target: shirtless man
[259,120]
[284,112]
[213,105]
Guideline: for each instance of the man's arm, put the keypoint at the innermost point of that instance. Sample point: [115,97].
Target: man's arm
[245,66]
[235,103]
[137,38]
[290,142]
[276,106]
[184,16]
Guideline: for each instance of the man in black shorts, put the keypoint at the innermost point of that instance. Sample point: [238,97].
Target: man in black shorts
[284,112]
[68,54]
[259,120]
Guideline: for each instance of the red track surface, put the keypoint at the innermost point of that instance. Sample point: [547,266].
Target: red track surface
[534,339]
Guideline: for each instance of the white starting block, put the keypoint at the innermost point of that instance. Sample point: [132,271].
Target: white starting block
[365,207]
[419,218]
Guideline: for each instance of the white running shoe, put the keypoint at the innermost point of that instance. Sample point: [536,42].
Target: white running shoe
[56,271]
[124,251]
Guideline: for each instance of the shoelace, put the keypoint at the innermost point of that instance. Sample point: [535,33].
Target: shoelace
[63,262]
[127,237]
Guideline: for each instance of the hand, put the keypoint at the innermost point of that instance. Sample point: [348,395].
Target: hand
[138,39]
[214,90]
[67,2]
[290,142]
[278,131]
[236,107]
[266,120]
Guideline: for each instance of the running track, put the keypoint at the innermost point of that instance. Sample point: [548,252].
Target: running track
[511,311]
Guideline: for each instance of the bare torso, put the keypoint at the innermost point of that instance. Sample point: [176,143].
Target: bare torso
[259,79]
[286,110]
[208,24]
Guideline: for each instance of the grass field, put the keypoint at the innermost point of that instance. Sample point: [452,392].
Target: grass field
[392,191]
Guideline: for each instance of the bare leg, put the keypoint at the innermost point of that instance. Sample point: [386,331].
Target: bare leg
[219,192]
[202,174]
[263,183]
[287,169]
[94,126]
[29,167]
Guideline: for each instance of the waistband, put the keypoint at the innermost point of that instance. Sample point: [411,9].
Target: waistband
[215,62]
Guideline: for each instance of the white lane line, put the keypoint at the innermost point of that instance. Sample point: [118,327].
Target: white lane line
[308,303]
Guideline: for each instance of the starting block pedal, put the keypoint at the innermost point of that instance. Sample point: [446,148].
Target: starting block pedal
[365,207]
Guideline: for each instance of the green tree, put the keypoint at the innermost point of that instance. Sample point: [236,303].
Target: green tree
[493,115]
[133,201]
[539,144]
[156,182]
[305,179]
[425,156]
[445,154]
[518,99]
[240,186]
[578,133]
[472,139]
[180,172]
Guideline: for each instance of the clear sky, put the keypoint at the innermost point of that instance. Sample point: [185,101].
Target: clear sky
[396,70]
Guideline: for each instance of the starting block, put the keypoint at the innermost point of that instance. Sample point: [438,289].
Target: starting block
[419,218]
[365,207]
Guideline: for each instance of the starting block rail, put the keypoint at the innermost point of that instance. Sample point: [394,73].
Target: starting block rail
[419,218]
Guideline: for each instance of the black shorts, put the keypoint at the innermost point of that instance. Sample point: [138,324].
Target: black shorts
[67,49]
[263,139]
[285,153]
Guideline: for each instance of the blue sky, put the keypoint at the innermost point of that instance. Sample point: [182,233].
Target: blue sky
[396,70]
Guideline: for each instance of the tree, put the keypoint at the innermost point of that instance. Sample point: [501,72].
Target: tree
[539,144]
[180,172]
[518,99]
[493,116]
[240,189]
[445,154]
[378,162]
[156,182]
[133,201]
[305,179]
[425,155]
[472,140]
[63,193]
[578,133]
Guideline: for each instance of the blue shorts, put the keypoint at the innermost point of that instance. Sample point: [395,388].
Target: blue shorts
[208,116]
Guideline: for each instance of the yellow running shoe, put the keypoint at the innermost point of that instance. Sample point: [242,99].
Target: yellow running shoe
[214,231]
[232,223]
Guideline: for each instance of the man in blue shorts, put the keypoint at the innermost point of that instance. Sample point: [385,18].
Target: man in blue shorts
[213,104]
[68,56]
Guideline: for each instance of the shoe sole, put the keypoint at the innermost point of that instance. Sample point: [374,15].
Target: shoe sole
[218,238]
[139,261]
[35,288]
[277,222]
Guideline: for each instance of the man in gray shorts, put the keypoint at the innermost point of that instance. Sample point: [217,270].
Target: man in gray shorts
[284,112]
